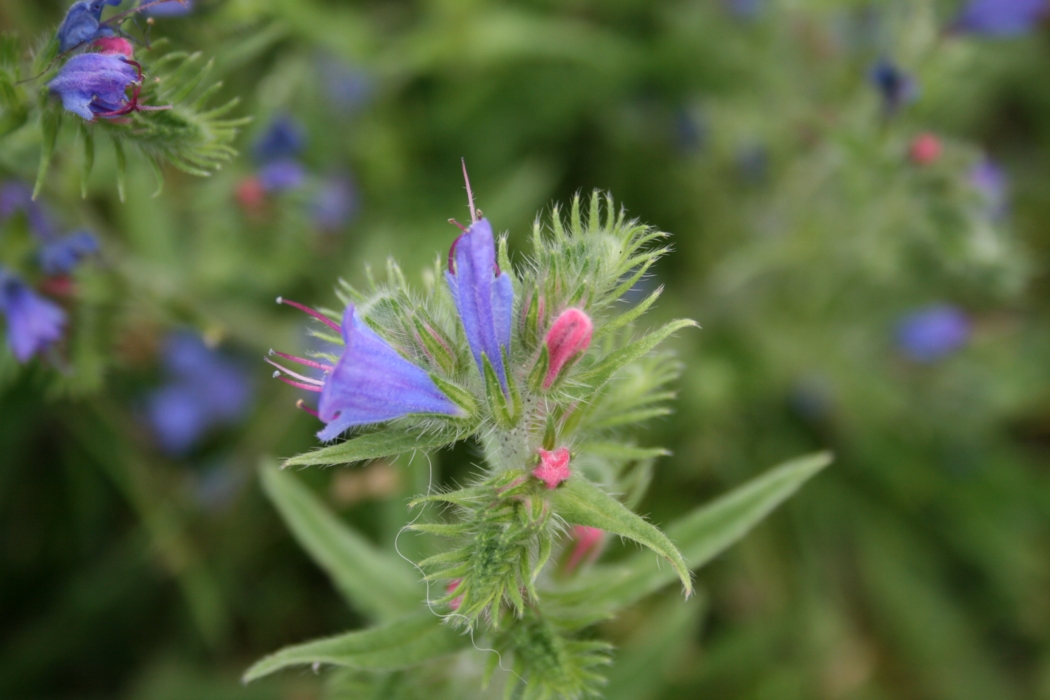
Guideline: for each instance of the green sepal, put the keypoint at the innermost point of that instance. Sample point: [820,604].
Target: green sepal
[372,580]
[122,165]
[531,333]
[499,403]
[580,502]
[439,529]
[459,396]
[391,440]
[539,370]
[398,645]
[438,347]
[628,316]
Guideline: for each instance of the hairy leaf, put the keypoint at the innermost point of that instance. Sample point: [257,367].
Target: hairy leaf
[390,441]
[397,645]
[580,502]
[702,535]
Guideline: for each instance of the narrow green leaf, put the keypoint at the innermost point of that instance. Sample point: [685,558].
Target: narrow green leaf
[50,121]
[397,645]
[372,580]
[388,442]
[621,451]
[122,166]
[89,157]
[702,535]
[580,502]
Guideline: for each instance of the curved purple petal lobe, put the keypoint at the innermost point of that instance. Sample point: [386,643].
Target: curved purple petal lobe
[372,383]
[483,298]
[94,83]
[33,322]
[283,139]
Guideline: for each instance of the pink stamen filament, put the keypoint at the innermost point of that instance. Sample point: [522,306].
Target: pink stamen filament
[470,194]
[312,312]
[298,385]
[302,361]
[452,248]
[302,405]
[290,373]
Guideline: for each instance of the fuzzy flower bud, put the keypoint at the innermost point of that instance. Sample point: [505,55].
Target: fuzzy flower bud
[113,45]
[587,547]
[569,337]
[554,467]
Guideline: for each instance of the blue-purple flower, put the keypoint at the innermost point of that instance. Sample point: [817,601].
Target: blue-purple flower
[171,8]
[205,389]
[1001,18]
[990,182]
[896,87]
[483,294]
[82,24]
[284,138]
[370,382]
[334,203]
[94,84]
[33,322]
[61,255]
[17,197]
[281,175]
[933,332]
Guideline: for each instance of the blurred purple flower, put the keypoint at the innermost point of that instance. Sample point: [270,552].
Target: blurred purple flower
[205,389]
[172,8]
[283,139]
[690,130]
[334,204]
[990,181]
[346,87]
[483,294]
[17,196]
[896,87]
[94,84]
[33,322]
[745,9]
[61,255]
[933,332]
[1001,18]
[82,24]
[281,175]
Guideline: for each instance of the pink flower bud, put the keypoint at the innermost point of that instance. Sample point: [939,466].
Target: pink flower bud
[569,336]
[588,546]
[925,149]
[451,588]
[554,467]
[114,45]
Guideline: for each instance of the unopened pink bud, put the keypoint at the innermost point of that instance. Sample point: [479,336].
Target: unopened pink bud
[114,45]
[925,149]
[588,546]
[569,336]
[554,467]
[451,588]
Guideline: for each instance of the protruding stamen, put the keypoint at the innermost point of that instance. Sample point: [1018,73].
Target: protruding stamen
[458,225]
[299,385]
[290,373]
[470,195]
[311,312]
[452,252]
[302,405]
[302,360]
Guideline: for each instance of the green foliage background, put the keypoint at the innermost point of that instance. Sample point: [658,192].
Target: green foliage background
[915,567]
